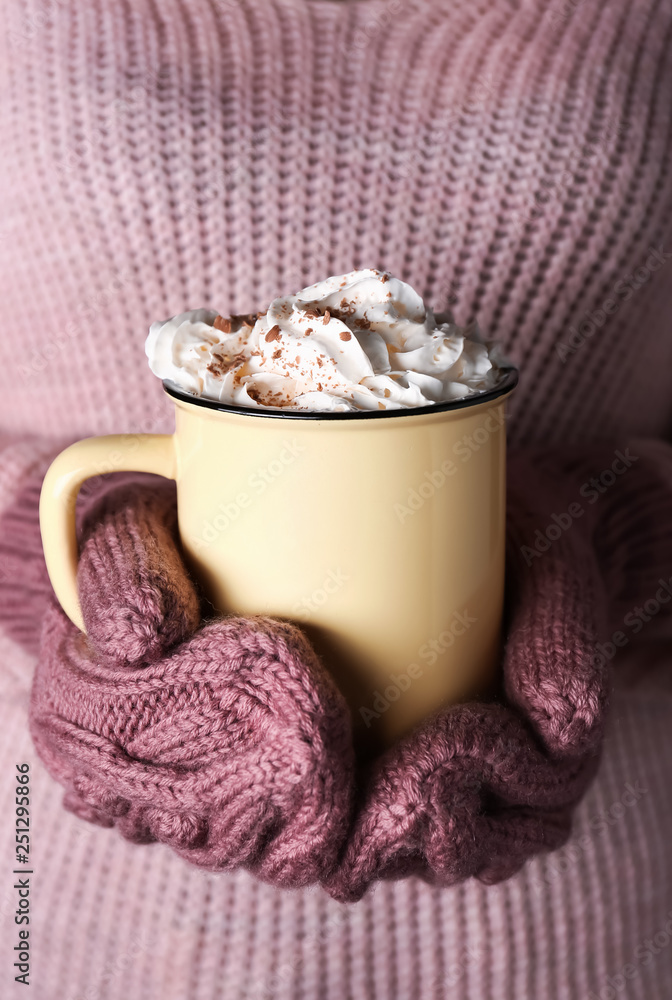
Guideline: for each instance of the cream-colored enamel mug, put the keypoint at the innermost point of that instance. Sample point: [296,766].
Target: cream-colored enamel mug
[381,533]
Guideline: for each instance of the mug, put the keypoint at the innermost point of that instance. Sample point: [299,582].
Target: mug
[380,533]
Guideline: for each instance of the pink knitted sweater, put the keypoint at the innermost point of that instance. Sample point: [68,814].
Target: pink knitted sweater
[510,159]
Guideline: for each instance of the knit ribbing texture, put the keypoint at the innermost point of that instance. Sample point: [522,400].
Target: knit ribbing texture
[510,159]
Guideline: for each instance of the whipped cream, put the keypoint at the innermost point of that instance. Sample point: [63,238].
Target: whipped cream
[358,341]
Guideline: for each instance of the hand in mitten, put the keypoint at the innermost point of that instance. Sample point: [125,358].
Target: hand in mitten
[229,741]
[479,788]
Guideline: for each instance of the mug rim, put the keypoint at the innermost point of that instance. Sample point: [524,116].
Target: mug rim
[505,385]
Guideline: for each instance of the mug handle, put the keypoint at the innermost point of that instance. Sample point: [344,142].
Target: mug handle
[91,457]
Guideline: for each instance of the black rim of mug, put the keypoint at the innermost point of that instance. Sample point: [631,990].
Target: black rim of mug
[506,384]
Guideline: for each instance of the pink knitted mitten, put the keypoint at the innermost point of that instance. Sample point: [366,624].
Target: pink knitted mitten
[233,746]
[479,788]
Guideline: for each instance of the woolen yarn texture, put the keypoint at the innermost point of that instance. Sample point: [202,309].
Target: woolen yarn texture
[229,741]
[511,159]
